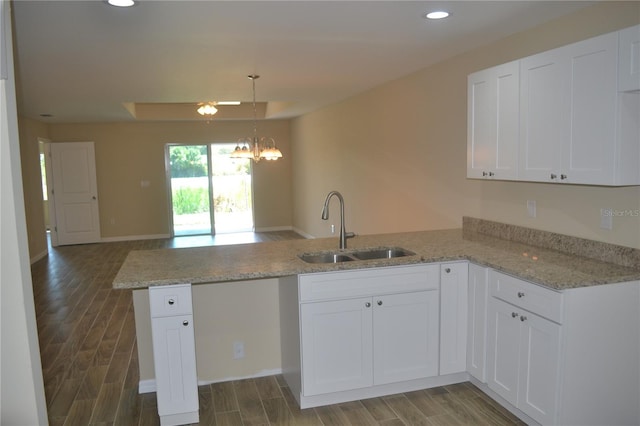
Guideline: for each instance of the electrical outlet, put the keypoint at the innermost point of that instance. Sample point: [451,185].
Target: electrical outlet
[238,350]
[531,208]
[333,228]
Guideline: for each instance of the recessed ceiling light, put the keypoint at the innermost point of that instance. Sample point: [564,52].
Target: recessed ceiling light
[438,14]
[121,3]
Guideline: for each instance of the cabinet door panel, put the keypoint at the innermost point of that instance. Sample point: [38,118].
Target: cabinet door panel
[539,372]
[503,350]
[336,345]
[405,336]
[175,364]
[476,343]
[507,127]
[543,114]
[454,279]
[588,155]
[629,68]
[481,128]
[492,130]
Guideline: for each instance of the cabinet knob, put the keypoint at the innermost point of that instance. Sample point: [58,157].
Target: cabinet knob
[523,318]
[491,173]
[368,305]
[514,315]
[379,302]
[520,294]
[447,270]
[171,301]
[484,173]
[563,177]
[554,176]
[185,323]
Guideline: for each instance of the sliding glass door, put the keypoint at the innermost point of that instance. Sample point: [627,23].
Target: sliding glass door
[202,176]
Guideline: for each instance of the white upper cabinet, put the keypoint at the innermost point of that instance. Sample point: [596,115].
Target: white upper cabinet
[573,124]
[568,113]
[492,131]
[543,114]
[629,59]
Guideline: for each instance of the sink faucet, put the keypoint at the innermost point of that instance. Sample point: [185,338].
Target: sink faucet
[325,215]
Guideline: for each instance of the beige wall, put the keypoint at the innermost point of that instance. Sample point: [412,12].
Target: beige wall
[127,153]
[30,132]
[246,311]
[398,152]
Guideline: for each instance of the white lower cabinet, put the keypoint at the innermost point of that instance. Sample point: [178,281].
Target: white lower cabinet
[337,344]
[478,293]
[569,357]
[524,348]
[369,332]
[566,357]
[524,354]
[174,354]
[356,343]
[405,336]
[454,278]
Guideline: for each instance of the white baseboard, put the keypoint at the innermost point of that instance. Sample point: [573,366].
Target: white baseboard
[39,256]
[273,229]
[148,386]
[133,238]
[304,234]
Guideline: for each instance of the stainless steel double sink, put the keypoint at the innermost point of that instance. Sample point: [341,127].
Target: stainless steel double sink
[350,256]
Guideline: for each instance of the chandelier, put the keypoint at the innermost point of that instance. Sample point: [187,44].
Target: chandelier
[254,147]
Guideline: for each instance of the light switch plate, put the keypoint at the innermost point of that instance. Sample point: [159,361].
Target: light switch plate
[531,208]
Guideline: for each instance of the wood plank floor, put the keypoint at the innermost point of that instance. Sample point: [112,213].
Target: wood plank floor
[90,363]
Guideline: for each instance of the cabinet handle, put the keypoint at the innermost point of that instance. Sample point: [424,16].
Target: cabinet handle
[563,177]
[379,302]
[514,315]
[447,270]
[520,294]
[368,305]
[484,174]
[554,176]
[171,301]
[491,173]
[523,318]
[185,323]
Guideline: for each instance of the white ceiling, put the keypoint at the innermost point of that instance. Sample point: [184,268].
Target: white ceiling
[80,61]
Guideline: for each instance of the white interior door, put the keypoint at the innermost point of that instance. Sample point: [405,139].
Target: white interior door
[75,193]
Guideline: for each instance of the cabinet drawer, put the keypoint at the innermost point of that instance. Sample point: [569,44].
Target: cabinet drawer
[368,282]
[534,298]
[170,300]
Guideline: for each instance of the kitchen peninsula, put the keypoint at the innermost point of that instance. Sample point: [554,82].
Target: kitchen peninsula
[557,286]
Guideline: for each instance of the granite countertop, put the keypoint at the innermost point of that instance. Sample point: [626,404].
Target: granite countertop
[199,265]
